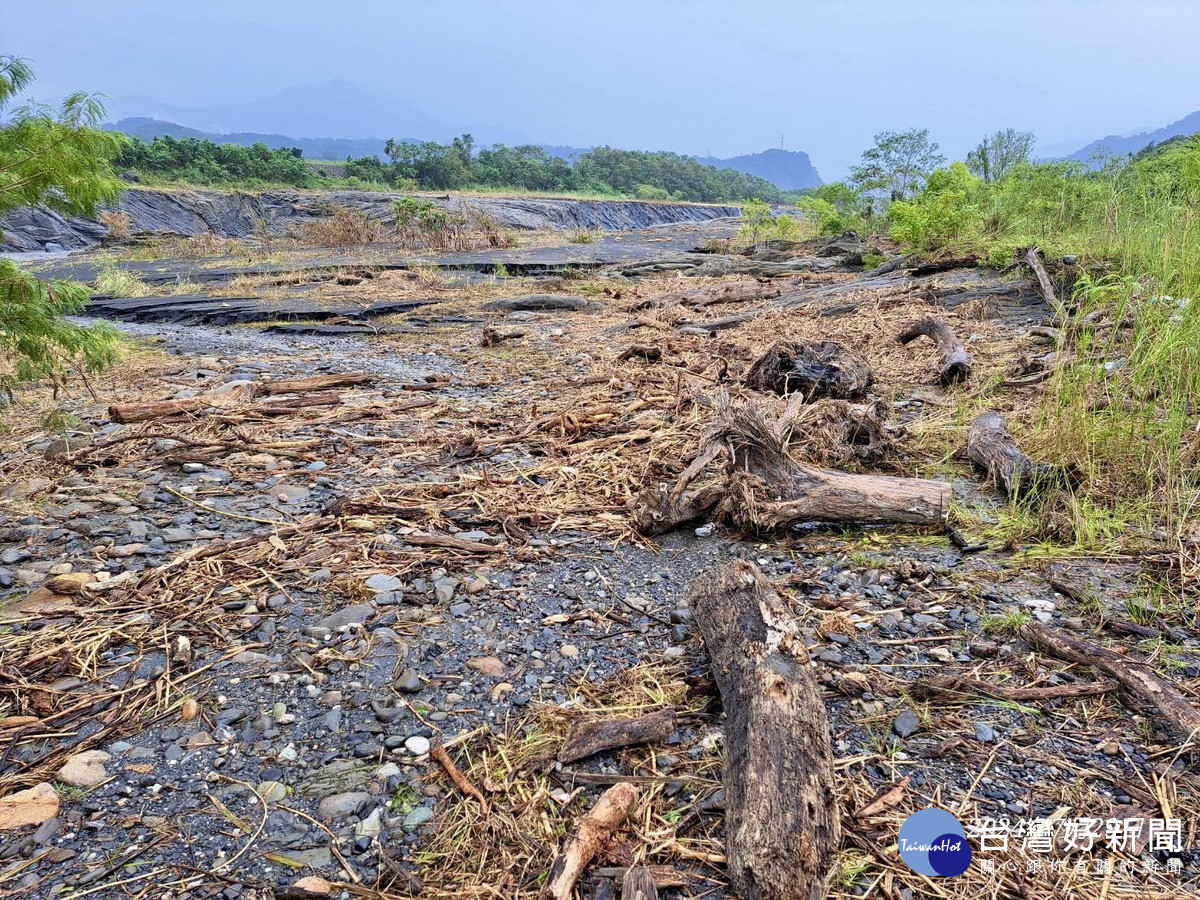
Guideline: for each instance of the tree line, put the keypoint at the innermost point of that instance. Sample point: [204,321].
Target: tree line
[454,166]
[631,173]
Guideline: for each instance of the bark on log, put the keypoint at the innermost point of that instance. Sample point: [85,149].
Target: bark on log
[1135,677]
[781,821]
[127,413]
[816,370]
[658,510]
[315,383]
[1033,257]
[768,489]
[955,687]
[594,735]
[589,834]
[955,364]
[638,884]
[991,447]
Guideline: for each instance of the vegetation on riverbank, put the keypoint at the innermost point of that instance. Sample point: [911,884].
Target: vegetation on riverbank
[602,172]
[60,159]
[1120,406]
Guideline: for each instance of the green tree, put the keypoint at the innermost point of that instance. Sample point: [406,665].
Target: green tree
[1000,153]
[898,164]
[58,159]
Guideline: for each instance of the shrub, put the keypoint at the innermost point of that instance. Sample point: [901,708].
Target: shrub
[115,221]
[344,228]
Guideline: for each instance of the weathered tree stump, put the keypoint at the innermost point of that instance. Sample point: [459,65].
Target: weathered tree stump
[767,489]
[991,447]
[824,369]
[955,364]
[781,811]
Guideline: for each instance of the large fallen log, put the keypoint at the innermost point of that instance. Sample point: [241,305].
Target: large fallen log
[816,370]
[1136,677]
[781,810]
[315,383]
[239,394]
[585,840]
[767,489]
[127,413]
[955,364]
[991,447]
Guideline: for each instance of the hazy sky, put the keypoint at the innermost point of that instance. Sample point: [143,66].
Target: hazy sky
[698,76]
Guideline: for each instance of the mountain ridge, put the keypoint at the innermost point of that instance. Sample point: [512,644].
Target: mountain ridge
[1119,145]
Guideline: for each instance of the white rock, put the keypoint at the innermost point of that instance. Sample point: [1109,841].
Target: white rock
[85,770]
[417,745]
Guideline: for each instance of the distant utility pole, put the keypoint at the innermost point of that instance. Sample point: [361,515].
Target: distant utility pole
[781,142]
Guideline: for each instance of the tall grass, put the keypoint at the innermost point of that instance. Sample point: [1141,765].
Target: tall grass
[1122,406]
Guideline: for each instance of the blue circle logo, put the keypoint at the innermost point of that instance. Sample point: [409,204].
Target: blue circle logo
[933,843]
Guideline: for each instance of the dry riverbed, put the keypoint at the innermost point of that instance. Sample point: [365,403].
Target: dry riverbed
[232,641]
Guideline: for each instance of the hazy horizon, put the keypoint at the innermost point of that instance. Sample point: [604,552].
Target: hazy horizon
[691,77]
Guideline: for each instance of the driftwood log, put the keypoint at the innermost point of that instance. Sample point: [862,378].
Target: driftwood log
[315,383]
[1137,678]
[638,884]
[960,688]
[955,364]
[1033,258]
[763,488]
[991,447]
[594,735]
[815,370]
[238,395]
[768,489]
[585,840]
[781,810]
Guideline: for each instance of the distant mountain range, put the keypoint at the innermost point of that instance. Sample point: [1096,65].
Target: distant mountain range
[787,169]
[1118,145]
[313,148]
[334,107]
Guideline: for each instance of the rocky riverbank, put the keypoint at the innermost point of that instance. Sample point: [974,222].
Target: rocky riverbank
[234,642]
[236,214]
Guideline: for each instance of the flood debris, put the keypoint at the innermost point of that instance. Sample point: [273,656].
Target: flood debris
[233,395]
[820,370]
[585,840]
[955,363]
[591,736]
[782,816]
[992,449]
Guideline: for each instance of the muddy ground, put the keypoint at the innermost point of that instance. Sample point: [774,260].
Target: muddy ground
[284,610]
